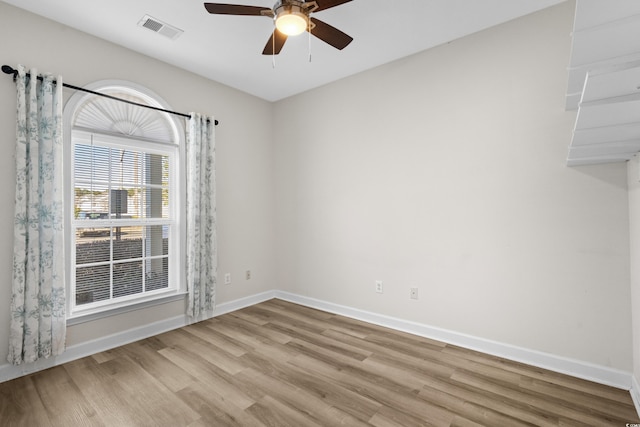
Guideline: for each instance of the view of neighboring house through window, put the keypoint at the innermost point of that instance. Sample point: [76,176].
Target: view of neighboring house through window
[125,227]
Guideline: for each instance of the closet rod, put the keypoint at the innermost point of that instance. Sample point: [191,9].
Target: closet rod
[9,70]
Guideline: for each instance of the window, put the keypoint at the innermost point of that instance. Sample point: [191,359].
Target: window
[123,215]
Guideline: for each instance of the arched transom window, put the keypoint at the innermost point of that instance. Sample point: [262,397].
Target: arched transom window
[124,206]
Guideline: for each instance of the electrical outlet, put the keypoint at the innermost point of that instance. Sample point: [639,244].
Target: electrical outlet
[379,286]
[247,275]
[413,293]
[227,279]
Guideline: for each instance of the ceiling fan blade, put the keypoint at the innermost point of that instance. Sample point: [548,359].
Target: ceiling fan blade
[275,43]
[326,4]
[330,35]
[234,9]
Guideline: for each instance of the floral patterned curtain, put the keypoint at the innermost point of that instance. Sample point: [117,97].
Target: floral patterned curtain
[38,324]
[202,261]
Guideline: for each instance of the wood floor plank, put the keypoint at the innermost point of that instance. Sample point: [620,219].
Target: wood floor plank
[301,401]
[216,409]
[282,364]
[209,335]
[146,393]
[273,413]
[355,405]
[477,406]
[386,418]
[172,376]
[311,320]
[428,363]
[561,409]
[459,421]
[211,376]
[63,400]
[250,341]
[110,400]
[194,344]
[577,384]
[251,316]
[587,401]
[376,387]
[409,344]
[240,324]
[346,349]
[21,406]
[347,368]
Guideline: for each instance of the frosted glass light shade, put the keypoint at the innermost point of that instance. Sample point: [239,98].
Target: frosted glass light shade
[292,23]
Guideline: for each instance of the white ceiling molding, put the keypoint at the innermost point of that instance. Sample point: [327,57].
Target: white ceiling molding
[604,82]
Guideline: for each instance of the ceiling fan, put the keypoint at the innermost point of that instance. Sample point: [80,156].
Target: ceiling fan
[292,17]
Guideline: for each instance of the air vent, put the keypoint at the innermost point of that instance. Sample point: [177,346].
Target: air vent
[160,27]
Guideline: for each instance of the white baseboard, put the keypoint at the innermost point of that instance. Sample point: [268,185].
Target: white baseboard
[234,305]
[635,393]
[576,368]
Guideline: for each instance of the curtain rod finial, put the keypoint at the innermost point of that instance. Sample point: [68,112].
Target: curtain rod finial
[9,70]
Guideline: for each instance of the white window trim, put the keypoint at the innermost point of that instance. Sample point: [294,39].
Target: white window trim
[70,111]
[114,311]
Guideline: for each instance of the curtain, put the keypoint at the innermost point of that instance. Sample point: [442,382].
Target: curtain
[38,324]
[202,262]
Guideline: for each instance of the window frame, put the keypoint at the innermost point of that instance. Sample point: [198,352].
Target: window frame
[177,236]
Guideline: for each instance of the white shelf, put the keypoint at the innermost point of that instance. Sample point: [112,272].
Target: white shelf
[604,82]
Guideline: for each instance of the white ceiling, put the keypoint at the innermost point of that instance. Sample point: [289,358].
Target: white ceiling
[228,49]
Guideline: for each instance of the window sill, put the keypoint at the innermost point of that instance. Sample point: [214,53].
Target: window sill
[108,312]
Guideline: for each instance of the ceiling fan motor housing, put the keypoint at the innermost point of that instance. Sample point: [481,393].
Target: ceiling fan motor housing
[305,7]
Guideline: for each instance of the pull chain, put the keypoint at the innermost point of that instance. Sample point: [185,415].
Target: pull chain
[309,31]
[273,48]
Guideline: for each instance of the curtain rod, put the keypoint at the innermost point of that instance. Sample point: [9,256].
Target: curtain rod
[10,70]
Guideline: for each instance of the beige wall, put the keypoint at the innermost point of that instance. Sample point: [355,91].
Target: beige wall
[446,171]
[634,232]
[244,155]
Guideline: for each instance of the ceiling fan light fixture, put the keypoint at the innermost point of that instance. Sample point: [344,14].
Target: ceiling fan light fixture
[290,17]
[291,20]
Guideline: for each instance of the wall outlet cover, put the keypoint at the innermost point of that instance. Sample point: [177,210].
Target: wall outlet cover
[379,286]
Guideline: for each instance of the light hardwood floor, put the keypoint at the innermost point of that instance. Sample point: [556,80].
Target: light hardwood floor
[281,364]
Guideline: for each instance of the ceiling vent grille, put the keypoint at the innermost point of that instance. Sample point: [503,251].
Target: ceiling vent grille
[160,27]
